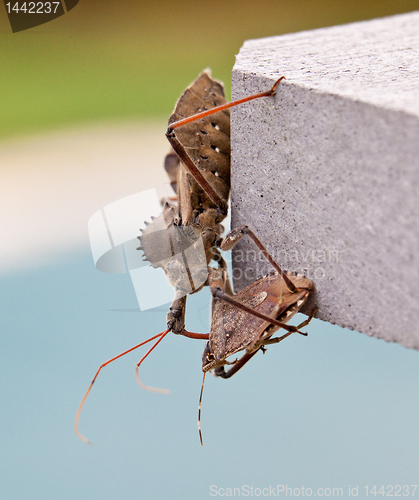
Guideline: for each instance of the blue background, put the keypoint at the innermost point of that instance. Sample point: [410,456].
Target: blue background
[334,409]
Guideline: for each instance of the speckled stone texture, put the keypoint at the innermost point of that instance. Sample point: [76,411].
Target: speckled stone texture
[327,171]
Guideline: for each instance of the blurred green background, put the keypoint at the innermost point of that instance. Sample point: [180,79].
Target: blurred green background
[113,60]
[334,409]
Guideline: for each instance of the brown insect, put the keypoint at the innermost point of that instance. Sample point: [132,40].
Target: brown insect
[248,320]
[199,169]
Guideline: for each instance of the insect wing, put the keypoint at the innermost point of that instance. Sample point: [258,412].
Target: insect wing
[113,234]
[179,251]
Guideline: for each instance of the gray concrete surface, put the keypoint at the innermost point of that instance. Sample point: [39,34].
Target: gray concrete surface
[327,171]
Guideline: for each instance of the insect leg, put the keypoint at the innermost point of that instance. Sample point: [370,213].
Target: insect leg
[211,111]
[275,340]
[176,315]
[187,160]
[217,292]
[223,266]
[220,371]
[192,335]
[236,234]
[194,171]
[307,321]
[278,339]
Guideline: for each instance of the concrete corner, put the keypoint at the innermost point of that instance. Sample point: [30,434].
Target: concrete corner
[327,171]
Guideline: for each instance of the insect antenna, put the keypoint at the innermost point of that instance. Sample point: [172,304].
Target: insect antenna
[137,375]
[76,423]
[199,410]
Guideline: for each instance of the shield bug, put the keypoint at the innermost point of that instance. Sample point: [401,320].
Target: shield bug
[247,320]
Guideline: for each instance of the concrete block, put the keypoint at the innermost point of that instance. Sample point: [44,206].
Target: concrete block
[327,171]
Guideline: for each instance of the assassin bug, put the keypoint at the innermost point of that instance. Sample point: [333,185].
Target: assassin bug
[200,169]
